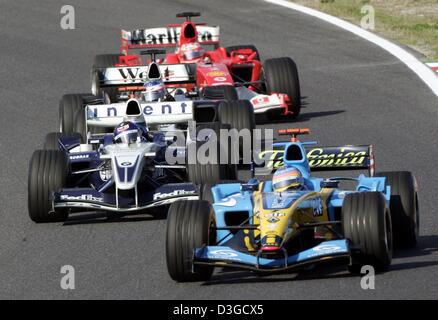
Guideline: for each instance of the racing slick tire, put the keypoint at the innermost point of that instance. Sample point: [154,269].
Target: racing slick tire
[213,171]
[281,76]
[103,61]
[243,46]
[80,126]
[225,92]
[69,104]
[189,226]
[51,141]
[47,174]
[239,114]
[404,207]
[366,221]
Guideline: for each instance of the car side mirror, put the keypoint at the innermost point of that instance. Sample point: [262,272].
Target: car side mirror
[327,183]
[250,186]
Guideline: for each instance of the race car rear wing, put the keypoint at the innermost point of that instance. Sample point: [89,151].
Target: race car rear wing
[359,157]
[110,115]
[136,75]
[166,37]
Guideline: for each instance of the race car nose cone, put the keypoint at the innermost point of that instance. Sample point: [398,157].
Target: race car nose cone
[271,243]
[271,248]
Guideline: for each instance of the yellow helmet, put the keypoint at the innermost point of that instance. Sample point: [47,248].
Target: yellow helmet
[287,178]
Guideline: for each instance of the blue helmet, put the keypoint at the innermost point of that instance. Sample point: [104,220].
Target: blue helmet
[127,132]
[154,90]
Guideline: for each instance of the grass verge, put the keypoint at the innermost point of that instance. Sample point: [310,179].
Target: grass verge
[410,22]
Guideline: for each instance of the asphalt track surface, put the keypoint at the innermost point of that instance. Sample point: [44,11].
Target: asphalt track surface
[355,92]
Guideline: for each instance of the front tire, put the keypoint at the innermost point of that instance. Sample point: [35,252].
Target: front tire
[190,225]
[367,224]
[281,76]
[404,207]
[47,174]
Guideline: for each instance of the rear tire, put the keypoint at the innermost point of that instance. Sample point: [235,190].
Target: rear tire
[103,61]
[238,114]
[51,141]
[68,106]
[189,226]
[404,207]
[367,224]
[80,126]
[47,174]
[210,173]
[281,76]
[225,92]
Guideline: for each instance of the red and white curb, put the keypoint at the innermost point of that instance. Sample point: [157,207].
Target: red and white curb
[433,66]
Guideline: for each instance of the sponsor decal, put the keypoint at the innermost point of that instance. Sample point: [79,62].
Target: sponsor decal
[323,157]
[324,249]
[227,202]
[167,35]
[133,73]
[220,79]
[327,248]
[223,254]
[273,220]
[319,157]
[80,156]
[175,193]
[280,202]
[275,214]
[216,74]
[123,128]
[83,197]
[156,109]
[260,100]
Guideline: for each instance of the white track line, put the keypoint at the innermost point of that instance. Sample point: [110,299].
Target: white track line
[423,71]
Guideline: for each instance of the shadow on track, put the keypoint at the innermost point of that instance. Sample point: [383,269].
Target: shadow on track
[318,272]
[96,217]
[262,119]
[427,245]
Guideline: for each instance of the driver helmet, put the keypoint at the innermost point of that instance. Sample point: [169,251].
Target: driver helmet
[287,178]
[127,132]
[155,90]
[191,51]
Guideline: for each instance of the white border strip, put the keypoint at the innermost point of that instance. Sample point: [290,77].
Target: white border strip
[425,73]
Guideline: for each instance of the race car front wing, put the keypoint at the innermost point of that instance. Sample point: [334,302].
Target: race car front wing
[224,256]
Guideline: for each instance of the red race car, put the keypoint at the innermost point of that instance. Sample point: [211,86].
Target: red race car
[228,73]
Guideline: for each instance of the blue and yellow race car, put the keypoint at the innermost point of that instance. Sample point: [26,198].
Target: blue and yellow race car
[295,220]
